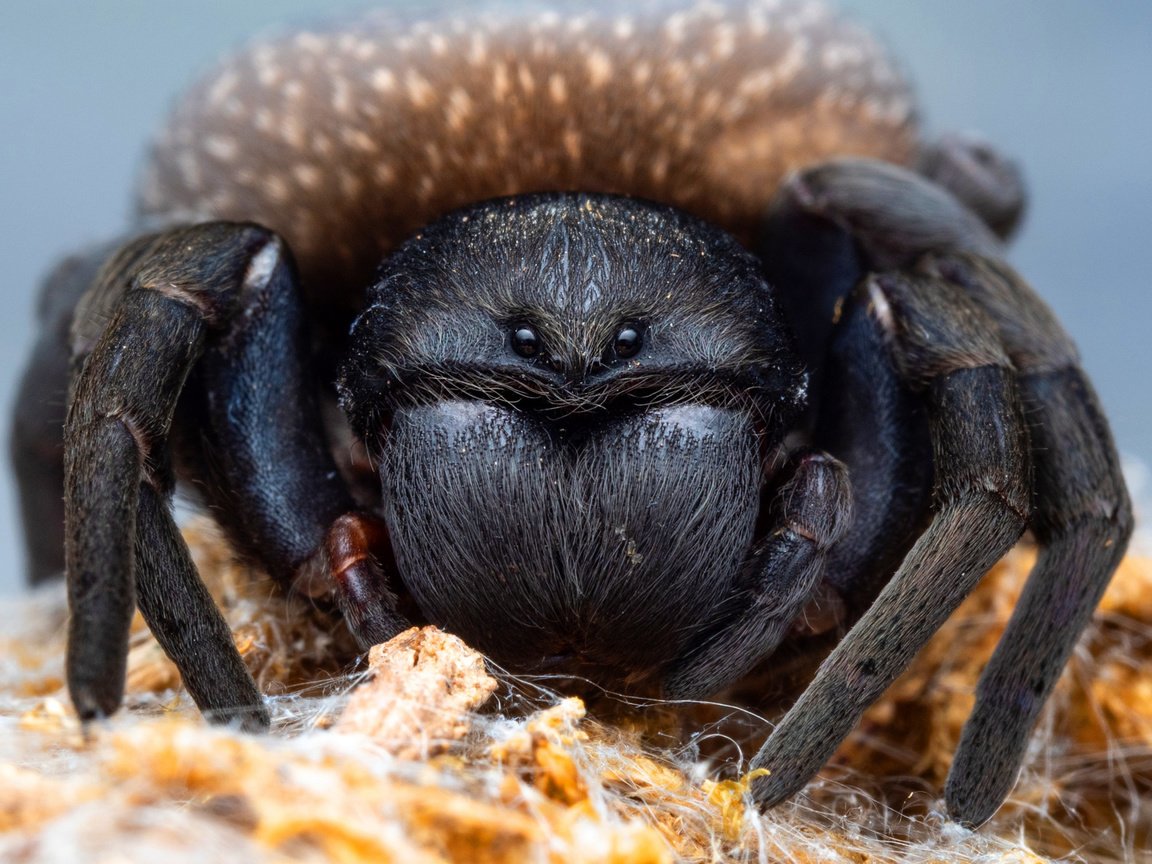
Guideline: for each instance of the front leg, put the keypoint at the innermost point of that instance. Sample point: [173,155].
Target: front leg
[226,291]
[1080,516]
[121,547]
[263,460]
[812,509]
[945,348]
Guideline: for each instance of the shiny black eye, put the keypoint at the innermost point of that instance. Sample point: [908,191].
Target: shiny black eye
[525,342]
[628,341]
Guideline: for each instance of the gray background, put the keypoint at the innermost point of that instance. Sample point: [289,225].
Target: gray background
[1062,84]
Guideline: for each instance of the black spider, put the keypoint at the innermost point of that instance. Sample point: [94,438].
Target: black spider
[607,437]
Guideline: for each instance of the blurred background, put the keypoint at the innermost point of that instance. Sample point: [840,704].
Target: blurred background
[1063,85]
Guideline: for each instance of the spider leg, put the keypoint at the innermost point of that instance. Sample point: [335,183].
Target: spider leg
[1082,516]
[115,444]
[37,438]
[870,417]
[267,470]
[945,348]
[204,321]
[1082,522]
[831,224]
[812,509]
[181,614]
[979,177]
[866,415]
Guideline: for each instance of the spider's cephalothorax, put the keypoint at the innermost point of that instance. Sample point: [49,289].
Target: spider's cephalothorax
[608,436]
[569,397]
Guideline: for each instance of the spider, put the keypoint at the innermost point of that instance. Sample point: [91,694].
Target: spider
[665,334]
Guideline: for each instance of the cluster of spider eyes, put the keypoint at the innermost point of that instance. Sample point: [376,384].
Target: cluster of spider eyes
[627,342]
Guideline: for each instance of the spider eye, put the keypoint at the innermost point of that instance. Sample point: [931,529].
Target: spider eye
[628,341]
[525,342]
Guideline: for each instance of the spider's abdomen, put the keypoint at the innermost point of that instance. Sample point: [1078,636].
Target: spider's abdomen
[348,139]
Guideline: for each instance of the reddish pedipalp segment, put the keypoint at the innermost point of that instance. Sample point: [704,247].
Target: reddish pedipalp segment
[351,540]
[347,139]
[351,546]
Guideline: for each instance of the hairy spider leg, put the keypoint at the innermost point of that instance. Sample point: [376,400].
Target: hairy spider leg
[811,510]
[946,349]
[37,436]
[122,548]
[213,306]
[1081,515]
[1082,521]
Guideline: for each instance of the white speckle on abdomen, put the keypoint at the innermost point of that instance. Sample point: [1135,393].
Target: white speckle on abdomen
[348,140]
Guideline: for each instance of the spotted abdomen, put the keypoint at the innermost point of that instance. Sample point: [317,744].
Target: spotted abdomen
[348,139]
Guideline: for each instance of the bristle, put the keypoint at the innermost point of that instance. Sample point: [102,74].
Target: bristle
[352,138]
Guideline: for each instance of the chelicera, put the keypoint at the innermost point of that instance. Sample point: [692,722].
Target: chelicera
[660,329]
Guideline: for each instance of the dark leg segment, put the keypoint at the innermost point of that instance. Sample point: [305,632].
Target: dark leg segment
[813,508]
[1082,522]
[1082,517]
[942,344]
[983,180]
[180,612]
[870,419]
[268,471]
[892,215]
[116,442]
[814,264]
[103,473]
[37,443]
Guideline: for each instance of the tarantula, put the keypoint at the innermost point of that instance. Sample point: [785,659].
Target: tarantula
[680,331]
